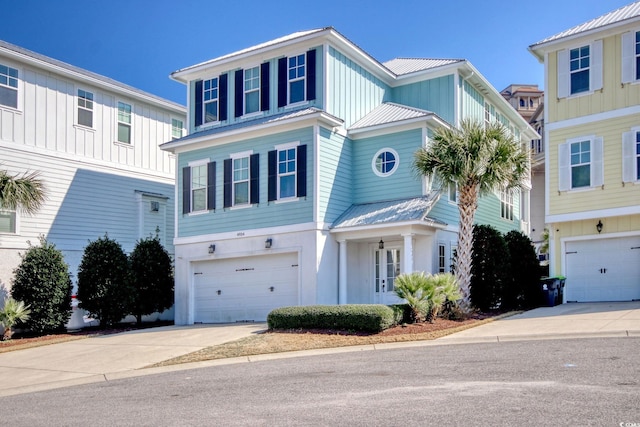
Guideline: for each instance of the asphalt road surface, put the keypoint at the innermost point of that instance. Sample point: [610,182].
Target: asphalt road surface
[573,382]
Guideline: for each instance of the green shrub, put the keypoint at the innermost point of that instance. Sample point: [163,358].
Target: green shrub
[489,263]
[350,317]
[151,278]
[415,289]
[43,282]
[522,283]
[103,281]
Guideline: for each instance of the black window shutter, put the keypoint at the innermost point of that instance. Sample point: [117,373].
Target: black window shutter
[239,92]
[228,171]
[198,98]
[222,97]
[301,172]
[311,75]
[264,86]
[273,175]
[211,186]
[282,82]
[254,184]
[186,190]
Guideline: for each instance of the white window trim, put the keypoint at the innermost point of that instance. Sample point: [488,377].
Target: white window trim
[244,92]
[628,56]
[171,137]
[564,71]
[19,89]
[205,123]
[120,101]
[192,164]
[280,147]
[233,157]
[93,110]
[507,197]
[286,146]
[596,164]
[304,79]
[453,202]
[17,232]
[393,169]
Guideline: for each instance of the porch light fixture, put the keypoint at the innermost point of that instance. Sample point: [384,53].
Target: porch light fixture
[599,226]
[267,243]
[212,248]
[380,244]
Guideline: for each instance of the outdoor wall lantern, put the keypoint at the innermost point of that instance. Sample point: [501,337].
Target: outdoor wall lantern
[267,243]
[380,244]
[212,248]
[599,226]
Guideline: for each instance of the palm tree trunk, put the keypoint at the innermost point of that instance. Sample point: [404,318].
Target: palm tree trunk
[467,206]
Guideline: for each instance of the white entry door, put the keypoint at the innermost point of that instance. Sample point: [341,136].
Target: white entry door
[386,266]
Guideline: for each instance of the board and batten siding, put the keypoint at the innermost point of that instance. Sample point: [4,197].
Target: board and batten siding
[613,95]
[403,183]
[335,186]
[472,103]
[614,194]
[353,91]
[47,120]
[436,95]
[263,214]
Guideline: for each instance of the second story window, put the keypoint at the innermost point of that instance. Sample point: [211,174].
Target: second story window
[124,123]
[8,222]
[581,164]
[287,170]
[210,100]
[252,90]
[241,181]
[85,108]
[506,204]
[176,129]
[8,86]
[453,192]
[286,173]
[579,64]
[198,188]
[296,79]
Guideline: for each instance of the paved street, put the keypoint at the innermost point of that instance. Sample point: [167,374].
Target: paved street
[552,382]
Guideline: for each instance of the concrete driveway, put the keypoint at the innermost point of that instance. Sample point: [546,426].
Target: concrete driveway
[109,356]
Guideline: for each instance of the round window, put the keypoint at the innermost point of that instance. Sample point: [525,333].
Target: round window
[385,162]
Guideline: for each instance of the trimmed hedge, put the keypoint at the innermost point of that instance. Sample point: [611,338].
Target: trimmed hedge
[350,317]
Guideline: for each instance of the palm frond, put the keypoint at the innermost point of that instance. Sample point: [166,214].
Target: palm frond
[24,192]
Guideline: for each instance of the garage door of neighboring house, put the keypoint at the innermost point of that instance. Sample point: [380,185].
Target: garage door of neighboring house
[244,289]
[603,270]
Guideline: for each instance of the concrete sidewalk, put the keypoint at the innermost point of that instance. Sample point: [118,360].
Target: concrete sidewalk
[602,319]
[98,358]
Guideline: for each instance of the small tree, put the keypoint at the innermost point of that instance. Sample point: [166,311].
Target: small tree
[42,281]
[103,281]
[151,278]
[489,263]
[412,288]
[523,273]
[12,313]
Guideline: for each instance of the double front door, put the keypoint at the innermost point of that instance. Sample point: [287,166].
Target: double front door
[386,266]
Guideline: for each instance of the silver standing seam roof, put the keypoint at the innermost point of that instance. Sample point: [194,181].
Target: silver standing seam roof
[402,66]
[390,112]
[388,212]
[39,57]
[624,13]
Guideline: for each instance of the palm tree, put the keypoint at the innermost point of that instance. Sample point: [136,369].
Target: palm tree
[25,192]
[479,160]
[12,313]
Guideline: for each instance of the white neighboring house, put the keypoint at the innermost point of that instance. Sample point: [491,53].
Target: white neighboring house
[95,143]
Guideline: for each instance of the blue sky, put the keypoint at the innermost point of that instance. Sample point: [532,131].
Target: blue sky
[140,42]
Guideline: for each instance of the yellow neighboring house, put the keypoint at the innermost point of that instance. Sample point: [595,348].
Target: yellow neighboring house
[592,166]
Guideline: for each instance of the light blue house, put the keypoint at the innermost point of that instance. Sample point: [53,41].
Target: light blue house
[295,184]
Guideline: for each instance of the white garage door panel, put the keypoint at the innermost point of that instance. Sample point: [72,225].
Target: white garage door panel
[603,270]
[244,288]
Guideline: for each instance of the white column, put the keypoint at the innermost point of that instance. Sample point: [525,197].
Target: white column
[408,253]
[342,275]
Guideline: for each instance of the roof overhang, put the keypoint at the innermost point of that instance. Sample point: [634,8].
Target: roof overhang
[235,134]
[432,120]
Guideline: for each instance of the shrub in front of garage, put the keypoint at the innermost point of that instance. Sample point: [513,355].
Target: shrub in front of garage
[348,317]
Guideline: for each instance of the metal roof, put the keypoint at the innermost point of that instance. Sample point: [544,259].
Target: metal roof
[273,42]
[619,15]
[401,66]
[263,120]
[387,212]
[389,112]
[84,73]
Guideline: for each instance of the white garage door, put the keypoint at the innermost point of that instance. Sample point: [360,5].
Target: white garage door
[603,270]
[244,289]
